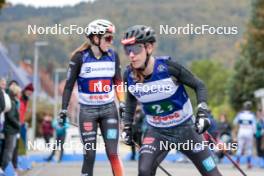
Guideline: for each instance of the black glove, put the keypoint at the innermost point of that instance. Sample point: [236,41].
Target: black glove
[62,117]
[122,109]
[202,121]
[127,135]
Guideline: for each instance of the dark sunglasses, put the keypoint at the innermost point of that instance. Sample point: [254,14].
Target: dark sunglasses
[135,49]
[108,38]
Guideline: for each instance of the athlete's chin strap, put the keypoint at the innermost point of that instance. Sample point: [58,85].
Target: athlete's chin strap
[97,44]
[141,69]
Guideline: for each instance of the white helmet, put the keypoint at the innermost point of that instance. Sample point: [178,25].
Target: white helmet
[100,26]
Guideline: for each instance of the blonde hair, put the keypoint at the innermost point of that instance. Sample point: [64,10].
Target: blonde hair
[15,89]
[84,46]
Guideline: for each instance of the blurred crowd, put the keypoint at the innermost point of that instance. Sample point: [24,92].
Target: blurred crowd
[13,128]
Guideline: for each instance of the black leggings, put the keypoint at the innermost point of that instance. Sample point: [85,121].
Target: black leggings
[107,118]
[155,149]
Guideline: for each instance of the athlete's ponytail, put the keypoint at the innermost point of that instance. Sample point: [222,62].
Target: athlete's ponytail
[84,46]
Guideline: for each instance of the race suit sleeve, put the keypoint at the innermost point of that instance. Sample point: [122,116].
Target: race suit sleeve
[72,74]
[119,89]
[130,104]
[185,77]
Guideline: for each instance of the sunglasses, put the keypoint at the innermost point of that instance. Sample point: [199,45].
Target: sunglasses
[135,49]
[108,38]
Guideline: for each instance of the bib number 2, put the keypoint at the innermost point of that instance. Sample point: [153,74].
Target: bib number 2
[161,108]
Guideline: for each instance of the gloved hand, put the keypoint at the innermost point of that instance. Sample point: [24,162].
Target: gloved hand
[127,135]
[62,117]
[122,109]
[202,121]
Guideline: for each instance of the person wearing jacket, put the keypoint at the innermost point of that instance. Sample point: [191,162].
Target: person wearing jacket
[24,99]
[2,98]
[47,129]
[2,102]
[5,106]
[11,125]
[245,121]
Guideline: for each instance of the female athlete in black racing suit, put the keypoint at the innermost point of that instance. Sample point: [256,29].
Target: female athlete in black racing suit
[96,68]
[158,84]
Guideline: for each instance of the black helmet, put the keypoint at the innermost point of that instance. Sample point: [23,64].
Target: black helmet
[247,105]
[139,34]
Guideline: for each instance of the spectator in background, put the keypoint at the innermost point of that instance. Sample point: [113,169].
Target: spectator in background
[2,106]
[5,103]
[260,136]
[2,101]
[47,129]
[5,106]
[26,94]
[60,138]
[223,126]
[15,153]
[246,123]
[11,83]
[224,134]
[11,125]
[23,101]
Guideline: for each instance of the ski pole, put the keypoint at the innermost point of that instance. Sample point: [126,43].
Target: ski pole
[227,155]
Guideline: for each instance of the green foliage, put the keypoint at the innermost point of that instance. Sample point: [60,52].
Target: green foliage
[215,76]
[224,108]
[249,69]
[2,3]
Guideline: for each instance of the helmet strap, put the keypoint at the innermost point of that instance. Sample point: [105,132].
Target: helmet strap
[146,61]
[97,44]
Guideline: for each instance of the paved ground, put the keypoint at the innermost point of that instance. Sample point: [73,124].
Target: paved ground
[103,169]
